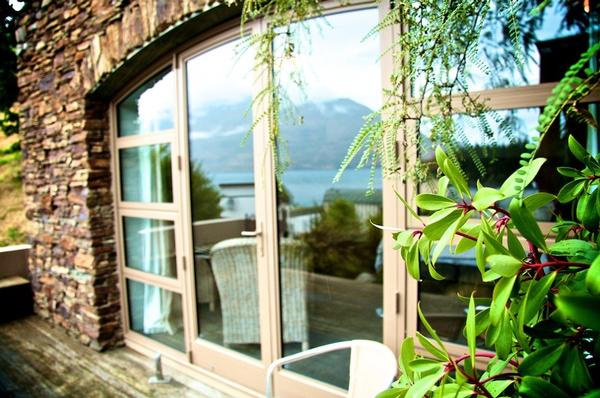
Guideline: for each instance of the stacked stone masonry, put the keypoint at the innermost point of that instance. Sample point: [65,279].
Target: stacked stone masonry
[66,48]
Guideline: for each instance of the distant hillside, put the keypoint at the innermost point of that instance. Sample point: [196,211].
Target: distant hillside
[12,201]
[320,142]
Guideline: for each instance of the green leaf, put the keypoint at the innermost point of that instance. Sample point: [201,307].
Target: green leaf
[592,394]
[590,218]
[428,201]
[429,329]
[514,246]
[408,207]
[412,261]
[422,386]
[527,173]
[571,247]
[471,329]
[504,341]
[404,239]
[502,292]
[526,224]
[583,310]
[407,354]
[398,392]
[480,254]
[443,185]
[504,265]
[538,199]
[541,360]
[456,178]
[433,272]
[570,172]
[446,238]
[577,150]
[571,190]
[485,197]
[429,347]
[575,371]
[535,387]
[536,295]
[592,279]
[496,387]
[482,321]
[425,365]
[436,230]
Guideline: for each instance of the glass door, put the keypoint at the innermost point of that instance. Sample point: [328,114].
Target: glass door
[330,255]
[226,240]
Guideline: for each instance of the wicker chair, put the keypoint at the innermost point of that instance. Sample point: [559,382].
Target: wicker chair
[235,270]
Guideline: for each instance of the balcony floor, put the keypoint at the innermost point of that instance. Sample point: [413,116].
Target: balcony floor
[38,360]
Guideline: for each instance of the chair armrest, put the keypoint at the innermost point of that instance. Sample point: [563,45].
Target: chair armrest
[303,355]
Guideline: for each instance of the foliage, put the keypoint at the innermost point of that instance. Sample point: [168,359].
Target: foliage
[14,236]
[280,40]
[205,196]
[8,67]
[340,243]
[542,318]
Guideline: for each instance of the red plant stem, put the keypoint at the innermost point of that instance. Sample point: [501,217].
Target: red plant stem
[500,376]
[534,252]
[557,264]
[471,237]
[483,355]
[499,209]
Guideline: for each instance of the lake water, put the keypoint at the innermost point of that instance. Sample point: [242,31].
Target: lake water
[308,187]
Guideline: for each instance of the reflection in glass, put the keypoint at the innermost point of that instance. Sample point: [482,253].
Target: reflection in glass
[499,153]
[146,174]
[330,255]
[156,313]
[150,108]
[549,44]
[222,198]
[150,245]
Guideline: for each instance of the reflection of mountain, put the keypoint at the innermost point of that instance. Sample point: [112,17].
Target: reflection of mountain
[319,143]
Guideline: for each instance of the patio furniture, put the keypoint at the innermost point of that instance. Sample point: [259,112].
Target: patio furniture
[234,267]
[373,366]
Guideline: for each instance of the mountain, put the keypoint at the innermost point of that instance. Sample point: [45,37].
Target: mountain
[320,142]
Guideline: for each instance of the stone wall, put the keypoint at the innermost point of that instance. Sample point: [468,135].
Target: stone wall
[66,48]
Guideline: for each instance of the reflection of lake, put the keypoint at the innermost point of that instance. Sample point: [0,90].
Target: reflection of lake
[308,187]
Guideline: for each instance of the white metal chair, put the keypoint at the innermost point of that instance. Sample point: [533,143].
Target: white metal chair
[373,366]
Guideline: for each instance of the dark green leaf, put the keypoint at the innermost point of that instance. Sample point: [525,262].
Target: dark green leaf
[583,310]
[527,224]
[536,296]
[504,341]
[571,190]
[590,215]
[514,246]
[592,279]
[541,360]
[570,172]
[574,370]
[535,387]
[571,247]
[577,150]
[538,199]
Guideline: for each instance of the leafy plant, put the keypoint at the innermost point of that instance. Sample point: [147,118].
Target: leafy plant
[541,321]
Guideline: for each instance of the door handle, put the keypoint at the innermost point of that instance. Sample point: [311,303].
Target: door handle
[257,232]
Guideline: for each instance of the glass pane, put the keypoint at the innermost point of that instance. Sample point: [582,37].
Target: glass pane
[156,313]
[150,245]
[499,153]
[549,43]
[146,174]
[150,108]
[222,197]
[330,255]
[439,301]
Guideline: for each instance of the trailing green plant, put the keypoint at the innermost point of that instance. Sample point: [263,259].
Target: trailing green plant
[541,321]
